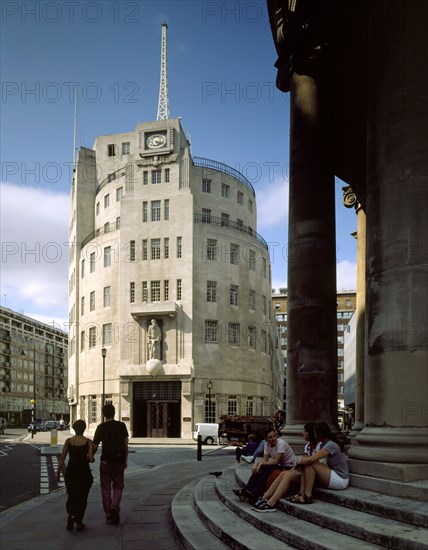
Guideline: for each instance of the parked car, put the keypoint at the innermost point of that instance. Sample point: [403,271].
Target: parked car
[39,427]
[52,425]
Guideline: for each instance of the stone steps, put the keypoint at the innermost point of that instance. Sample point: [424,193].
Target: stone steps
[207,514]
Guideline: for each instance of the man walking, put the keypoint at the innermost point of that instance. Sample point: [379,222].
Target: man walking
[114,459]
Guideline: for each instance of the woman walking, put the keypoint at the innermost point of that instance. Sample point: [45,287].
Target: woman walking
[78,476]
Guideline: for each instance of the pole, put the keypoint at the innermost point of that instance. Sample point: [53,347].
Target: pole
[103,353]
[33,409]
[209,387]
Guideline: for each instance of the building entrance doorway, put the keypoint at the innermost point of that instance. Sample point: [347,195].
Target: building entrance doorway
[157,409]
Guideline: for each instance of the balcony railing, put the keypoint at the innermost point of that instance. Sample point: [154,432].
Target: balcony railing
[228,224]
[220,167]
[100,231]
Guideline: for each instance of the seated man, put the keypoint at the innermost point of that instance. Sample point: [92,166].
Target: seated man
[248,450]
[278,455]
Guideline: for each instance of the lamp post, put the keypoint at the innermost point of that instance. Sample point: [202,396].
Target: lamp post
[209,387]
[103,353]
[33,401]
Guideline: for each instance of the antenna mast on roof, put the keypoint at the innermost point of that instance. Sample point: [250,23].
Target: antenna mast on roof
[163,104]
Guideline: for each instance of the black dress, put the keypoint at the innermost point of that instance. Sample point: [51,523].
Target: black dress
[78,480]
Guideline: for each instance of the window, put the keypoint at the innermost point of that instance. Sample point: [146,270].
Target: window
[155,248]
[145,177]
[225,189]
[82,341]
[97,208]
[206,215]
[131,292]
[250,205]
[107,296]
[145,215]
[92,337]
[92,301]
[82,269]
[250,405]
[179,246]
[119,194]
[166,290]
[252,261]
[132,251]
[211,291]
[144,249]
[106,200]
[118,222]
[107,256]
[156,211]
[252,299]
[210,409]
[82,305]
[179,289]
[93,408]
[234,333]
[263,338]
[340,327]
[240,224]
[234,253]
[264,306]
[252,336]
[126,148]
[206,185]
[340,352]
[264,267]
[225,219]
[340,339]
[166,248]
[107,334]
[234,295]
[232,405]
[167,172]
[240,197]
[156,176]
[211,249]
[92,262]
[144,293]
[166,209]
[348,303]
[211,332]
[155,289]
[106,227]
[111,150]
[111,177]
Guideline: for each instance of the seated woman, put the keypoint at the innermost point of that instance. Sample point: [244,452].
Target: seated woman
[333,475]
[248,450]
[287,479]
[278,455]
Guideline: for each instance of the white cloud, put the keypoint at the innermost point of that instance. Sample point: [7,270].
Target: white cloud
[346,274]
[272,204]
[34,228]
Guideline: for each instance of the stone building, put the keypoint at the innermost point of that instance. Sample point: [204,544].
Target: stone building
[33,367]
[161,235]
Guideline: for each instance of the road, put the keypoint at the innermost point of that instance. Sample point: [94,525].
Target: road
[25,474]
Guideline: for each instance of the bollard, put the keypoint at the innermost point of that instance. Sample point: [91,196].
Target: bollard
[54,438]
[199,452]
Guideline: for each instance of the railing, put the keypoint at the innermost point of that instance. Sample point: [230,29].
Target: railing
[101,231]
[220,167]
[213,220]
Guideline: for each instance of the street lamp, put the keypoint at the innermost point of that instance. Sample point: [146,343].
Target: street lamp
[209,388]
[33,401]
[104,353]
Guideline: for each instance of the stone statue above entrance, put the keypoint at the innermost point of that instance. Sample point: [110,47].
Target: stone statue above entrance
[154,336]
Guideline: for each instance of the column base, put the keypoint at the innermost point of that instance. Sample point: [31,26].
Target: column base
[389,470]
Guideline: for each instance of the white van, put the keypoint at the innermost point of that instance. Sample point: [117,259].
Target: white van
[209,433]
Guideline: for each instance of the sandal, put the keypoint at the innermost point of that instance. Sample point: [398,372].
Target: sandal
[295,498]
[303,499]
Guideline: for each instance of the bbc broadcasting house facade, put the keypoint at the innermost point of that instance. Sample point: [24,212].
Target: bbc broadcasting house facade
[161,235]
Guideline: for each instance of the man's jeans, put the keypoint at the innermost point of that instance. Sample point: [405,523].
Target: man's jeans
[111,474]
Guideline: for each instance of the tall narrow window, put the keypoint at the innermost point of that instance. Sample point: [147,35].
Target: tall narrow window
[166,290]
[232,405]
[225,219]
[252,336]
[111,150]
[179,246]
[92,301]
[132,251]
[92,262]
[211,249]
[206,215]
[250,205]
[156,176]
[166,209]
[252,299]
[166,248]
[211,332]
[145,177]
[82,269]
[234,295]
[264,267]
[82,305]
[155,289]
[107,334]
[132,292]
[145,211]
[225,189]
[144,293]
[107,256]
[92,337]
[97,208]
[211,291]
[252,261]
[126,148]
[93,408]
[206,185]
[155,248]
[234,253]
[250,405]
[264,306]
[234,333]
[144,249]
[119,194]
[107,296]
[240,197]
[82,341]
[167,175]
[106,200]
[179,289]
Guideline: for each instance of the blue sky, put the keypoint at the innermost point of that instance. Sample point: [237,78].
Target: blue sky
[221,82]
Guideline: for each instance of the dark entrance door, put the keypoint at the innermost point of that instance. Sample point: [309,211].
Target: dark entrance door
[157,419]
[157,409]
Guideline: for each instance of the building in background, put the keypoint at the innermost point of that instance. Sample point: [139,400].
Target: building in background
[170,278]
[33,367]
[346,303]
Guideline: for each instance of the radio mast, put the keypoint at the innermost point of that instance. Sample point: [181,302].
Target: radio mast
[163,104]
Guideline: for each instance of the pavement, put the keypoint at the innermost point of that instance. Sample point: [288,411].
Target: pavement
[39,524]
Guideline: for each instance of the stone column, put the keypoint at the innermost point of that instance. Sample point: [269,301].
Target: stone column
[396,377]
[311,307]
